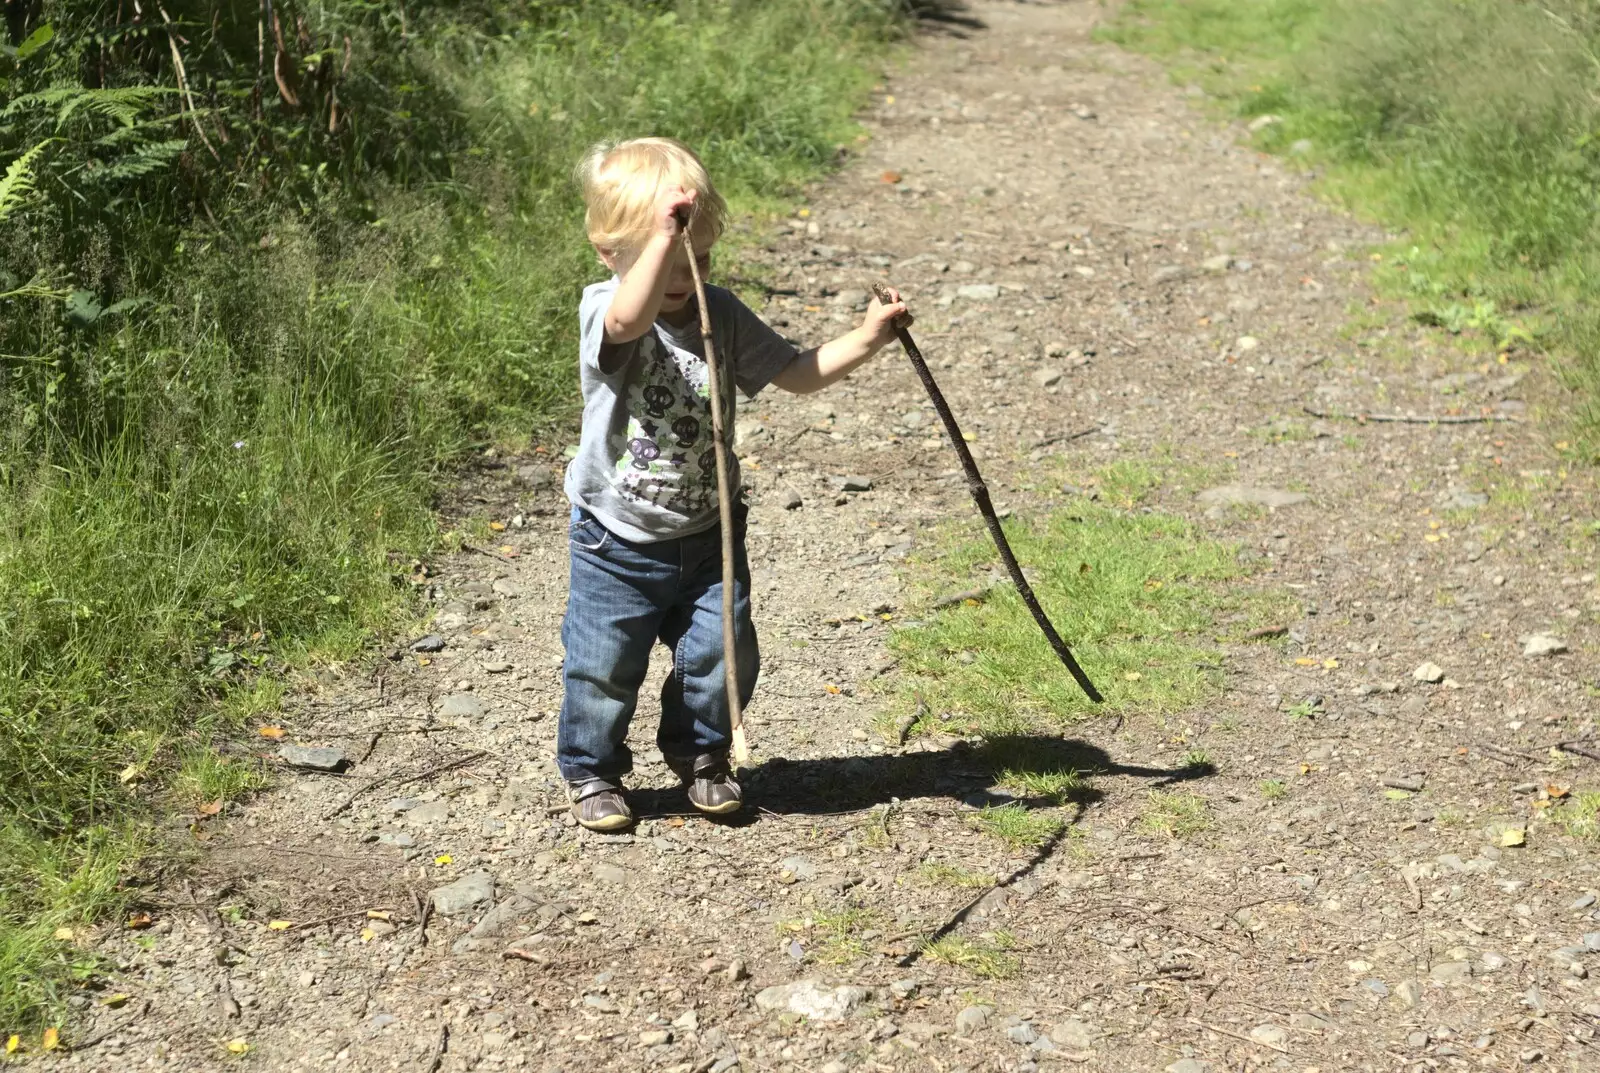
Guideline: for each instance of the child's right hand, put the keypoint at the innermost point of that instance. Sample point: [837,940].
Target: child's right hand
[673,210]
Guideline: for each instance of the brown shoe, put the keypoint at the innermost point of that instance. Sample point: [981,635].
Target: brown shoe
[710,782]
[599,805]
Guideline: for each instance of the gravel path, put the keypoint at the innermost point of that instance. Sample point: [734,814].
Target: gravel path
[1100,272]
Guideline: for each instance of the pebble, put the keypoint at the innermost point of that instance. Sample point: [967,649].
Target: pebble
[1451,972]
[433,812]
[1189,1065]
[502,587]
[978,292]
[1583,901]
[306,979]
[1269,1035]
[465,893]
[1230,494]
[1377,987]
[1309,1022]
[798,867]
[396,838]
[1220,263]
[1023,1034]
[1073,1034]
[813,1000]
[313,757]
[1409,992]
[835,1066]
[688,1021]
[972,1019]
[1543,644]
[1491,962]
[1429,672]
[430,643]
[606,872]
[496,667]
[462,706]
[654,1037]
[855,483]
[792,500]
[1047,377]
[1168,273]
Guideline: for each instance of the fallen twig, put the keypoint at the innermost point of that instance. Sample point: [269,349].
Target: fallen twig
[1485,745]
[330,920]
[1280,1048]
[435,770]
[485,551]
[1579,747]
[960,598]
[1068,437]
[438,1050]
[1411,419]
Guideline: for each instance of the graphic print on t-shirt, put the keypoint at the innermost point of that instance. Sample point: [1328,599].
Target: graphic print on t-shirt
[667,458]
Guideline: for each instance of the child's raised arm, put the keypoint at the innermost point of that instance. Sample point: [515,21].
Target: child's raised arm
[815,369]
[637,303]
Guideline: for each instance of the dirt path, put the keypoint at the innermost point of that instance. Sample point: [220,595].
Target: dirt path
[1085,251]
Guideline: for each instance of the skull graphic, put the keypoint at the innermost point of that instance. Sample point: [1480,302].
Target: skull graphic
[657,398]
[644,452]
[687,429]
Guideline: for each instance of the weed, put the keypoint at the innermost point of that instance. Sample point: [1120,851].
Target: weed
[1302,709]
[1017,825]
[1057,786]
[940,874]
[1272,789]
[834,938]
[988,955]
[1580,816]
[1196,758]
[1175,814]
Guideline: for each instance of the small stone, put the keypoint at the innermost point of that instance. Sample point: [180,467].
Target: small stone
[735,971]
[1047,377]
[972,1019]
[855,484]
[430,643]
[1261,122]
[810,999]
[465,893]
[491,826]
[1309,1022]
[1429,672]
[502,587]
[603,1003]
[496,667]
[903,989]
[1168,273]
[1073,1034]
[306,979]
[1220,263]
[1543,644]
[402,839]
[429,814]
[462,706]
[1591,940]
[402,804]
[503,918]
[835,1066]
[1023,1034]
[1408,992]
[654,1037]
[1465,500]
[1238,494]
[1246,343]
[606,872]
[1583,901]
[1491,962]
[1377,987]
[798,867]
[313,757]
[1189,1065]
[1056,349]
[978,292]
[792,500]
[1451,972]
[1269,1035]
[687,1021]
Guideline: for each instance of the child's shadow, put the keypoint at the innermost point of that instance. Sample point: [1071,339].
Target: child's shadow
[1031,770]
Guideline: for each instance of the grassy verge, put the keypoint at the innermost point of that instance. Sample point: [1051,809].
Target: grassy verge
[1137,594]
[1408,109]
[222,441]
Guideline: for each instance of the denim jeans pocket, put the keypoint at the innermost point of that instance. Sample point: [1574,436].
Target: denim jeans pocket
[589,535]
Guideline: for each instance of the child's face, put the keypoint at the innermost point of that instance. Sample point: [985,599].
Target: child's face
[680,282]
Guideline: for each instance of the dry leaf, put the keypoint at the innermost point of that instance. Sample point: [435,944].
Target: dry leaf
[803,213]
[1557,791]
[128,774]
[498,527]
[1084,568]
[508,551]
[1513,836]
[676,821]
[367,935]
[13,1042]
[378,914]
[1304,662]
[813,309]
[237,1046]
[1330,664]
[891,176]
[423,661]
[279,925]
[51,1039]
[115,1001]
[1133,676]
[270,732]
[210,808]
[139,920]
[444,858]
[66,935]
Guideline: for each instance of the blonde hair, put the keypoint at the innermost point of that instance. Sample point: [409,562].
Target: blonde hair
[623,181]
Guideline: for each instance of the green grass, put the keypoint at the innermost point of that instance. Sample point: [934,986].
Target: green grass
[1136,594]
[1580,816]
[941,874]
[220,484]
[835,938]
[988,955]
[1174,814]
[1406,108]
[1272,789]
[1018,826]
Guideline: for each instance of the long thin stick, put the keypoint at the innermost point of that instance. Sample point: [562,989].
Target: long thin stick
[980,495]
[730,663]
[1412,419]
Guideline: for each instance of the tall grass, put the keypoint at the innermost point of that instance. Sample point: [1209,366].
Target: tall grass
[212,479]
[1474,124]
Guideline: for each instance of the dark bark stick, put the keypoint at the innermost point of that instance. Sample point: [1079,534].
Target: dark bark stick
[719,436]
[1410,419]
[980,495]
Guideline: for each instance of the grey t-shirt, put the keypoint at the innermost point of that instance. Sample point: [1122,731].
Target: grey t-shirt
[645,465]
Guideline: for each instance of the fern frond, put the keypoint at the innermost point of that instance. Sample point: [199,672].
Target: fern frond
[122,104]
[141,161]
[17,183]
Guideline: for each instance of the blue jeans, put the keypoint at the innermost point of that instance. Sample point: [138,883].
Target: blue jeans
[623,598]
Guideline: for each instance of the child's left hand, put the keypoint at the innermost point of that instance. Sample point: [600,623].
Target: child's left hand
[879,322]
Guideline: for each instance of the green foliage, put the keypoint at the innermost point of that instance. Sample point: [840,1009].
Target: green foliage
[1175,814]
[251,314]
[1017,825]
[1409,107]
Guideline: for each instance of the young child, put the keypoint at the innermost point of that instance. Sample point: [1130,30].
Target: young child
[645,540]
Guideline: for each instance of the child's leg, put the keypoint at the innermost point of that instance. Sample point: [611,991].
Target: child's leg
[619,593]
[695,719]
